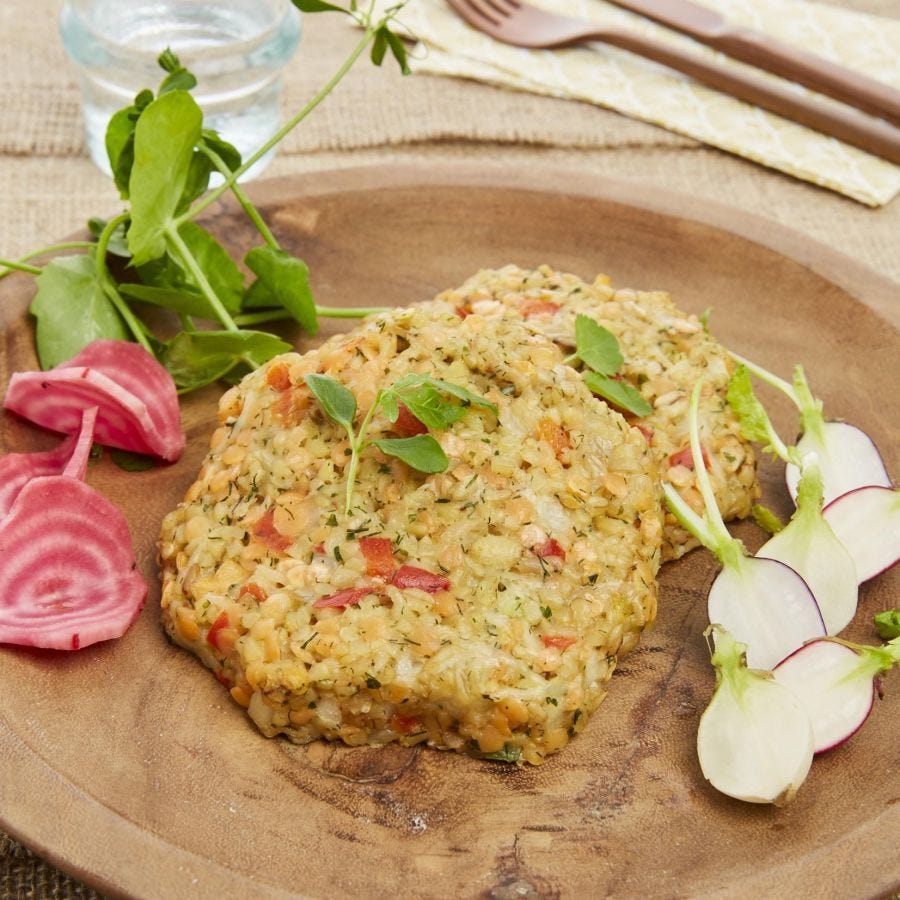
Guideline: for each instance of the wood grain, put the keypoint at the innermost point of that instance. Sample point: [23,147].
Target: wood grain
[127,765]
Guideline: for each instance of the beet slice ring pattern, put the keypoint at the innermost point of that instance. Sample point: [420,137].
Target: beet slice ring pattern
[136,398]
[69,458]
[68,577]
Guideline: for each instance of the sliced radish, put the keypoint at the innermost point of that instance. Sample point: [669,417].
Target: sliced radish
[836,683]
[809,546]
[766,605]
[138,406]
[754,741]
[847,456]
[69,458]
[867,523]
[68,577]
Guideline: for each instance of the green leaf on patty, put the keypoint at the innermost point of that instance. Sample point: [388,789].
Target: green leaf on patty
[422,452]
[334,398]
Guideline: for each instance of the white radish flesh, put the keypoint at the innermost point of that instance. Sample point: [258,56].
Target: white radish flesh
[754,742]
[767,606]
[867,523]
[809,546]
[847,457]
[836,691]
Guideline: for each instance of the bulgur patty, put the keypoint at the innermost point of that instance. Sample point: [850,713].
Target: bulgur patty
[479,609]
[665,352]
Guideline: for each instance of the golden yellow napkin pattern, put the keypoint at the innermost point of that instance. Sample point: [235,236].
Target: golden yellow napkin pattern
[619,80]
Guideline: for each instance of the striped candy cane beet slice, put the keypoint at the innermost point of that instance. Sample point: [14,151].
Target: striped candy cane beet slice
[136,398]
[68,577]
[69,458]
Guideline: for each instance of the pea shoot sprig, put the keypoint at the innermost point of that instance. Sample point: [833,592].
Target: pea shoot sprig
[436,404]
[598,350]
[162,159]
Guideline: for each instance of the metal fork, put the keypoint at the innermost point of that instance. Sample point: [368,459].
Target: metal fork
[517,23]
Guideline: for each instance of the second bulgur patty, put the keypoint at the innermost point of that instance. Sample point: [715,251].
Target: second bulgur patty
[665,352]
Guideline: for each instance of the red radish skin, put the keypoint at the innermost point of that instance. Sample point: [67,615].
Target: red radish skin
[145,422]
[819,676]
[847,457]
[68,577]
[69,458]
[867,522]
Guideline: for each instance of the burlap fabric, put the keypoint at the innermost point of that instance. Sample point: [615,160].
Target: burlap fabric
[48,187]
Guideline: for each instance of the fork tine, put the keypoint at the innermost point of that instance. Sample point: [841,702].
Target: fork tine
[506,7]
[479,13]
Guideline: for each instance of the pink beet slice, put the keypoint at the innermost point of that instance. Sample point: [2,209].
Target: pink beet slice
[68,577]
[69,458]
[136,398]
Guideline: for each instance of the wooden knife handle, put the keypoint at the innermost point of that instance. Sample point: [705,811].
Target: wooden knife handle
[843,122]
[794,63]
[813,71]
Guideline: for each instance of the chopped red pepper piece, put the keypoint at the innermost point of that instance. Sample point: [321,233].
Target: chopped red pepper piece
[646,432]
[462,312]
[212,636]
[558,641]
[255,591]
[686,458]
[414,577]
[550,547]
[265,530]
[379,556]
[554,434]
[346,597]
[278,377]
[538,307]
[403,724]
[407,425]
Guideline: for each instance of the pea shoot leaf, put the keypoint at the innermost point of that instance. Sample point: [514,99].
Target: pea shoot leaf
[619,393]
[282,280]
[314,6]
[425,397]
[164,140]
[887,624]
[338,403]
[379,46]
[197,358]
[118,245]
[220,269]
[178,77]
[184,301]
[597,347]
[72,309]
[202,166]
[398,49]
[421,452]
[751,414]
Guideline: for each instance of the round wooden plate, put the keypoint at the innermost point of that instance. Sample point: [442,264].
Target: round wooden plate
[128,765]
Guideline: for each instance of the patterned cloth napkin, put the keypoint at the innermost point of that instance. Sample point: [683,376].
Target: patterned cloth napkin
[645,90]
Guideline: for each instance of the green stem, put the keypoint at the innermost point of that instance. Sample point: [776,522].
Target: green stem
[242,198]
[268,315]
[109,286]
[358,312]
[19,264]
[766,376]
[175,240]
[357,445]
[12,266]
[279,135]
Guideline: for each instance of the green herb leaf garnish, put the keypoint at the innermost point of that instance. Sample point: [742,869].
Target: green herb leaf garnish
[425,399]
[598,349]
